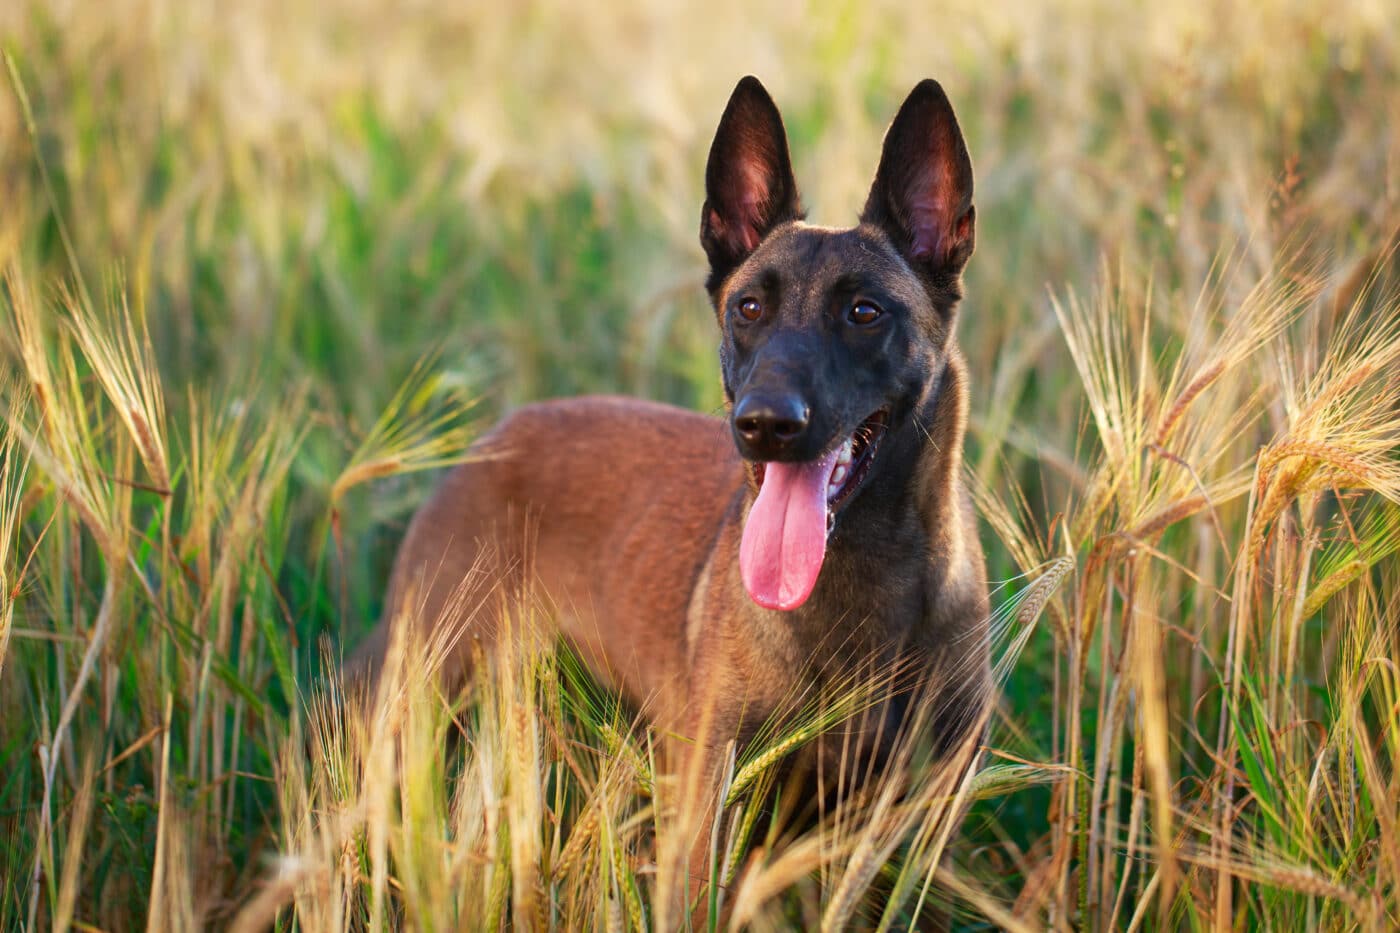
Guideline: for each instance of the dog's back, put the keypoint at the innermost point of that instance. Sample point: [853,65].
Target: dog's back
[602,509]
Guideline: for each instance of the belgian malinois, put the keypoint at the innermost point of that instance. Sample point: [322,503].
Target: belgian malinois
[713,569]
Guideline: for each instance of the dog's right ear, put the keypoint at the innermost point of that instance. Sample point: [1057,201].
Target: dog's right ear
[749,187]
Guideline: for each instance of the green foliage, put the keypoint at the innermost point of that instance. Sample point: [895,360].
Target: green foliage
[264,271]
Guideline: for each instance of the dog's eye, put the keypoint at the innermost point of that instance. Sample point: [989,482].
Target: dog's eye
[863,312]
[750,309]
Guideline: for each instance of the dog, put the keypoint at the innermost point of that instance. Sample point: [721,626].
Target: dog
[711,569]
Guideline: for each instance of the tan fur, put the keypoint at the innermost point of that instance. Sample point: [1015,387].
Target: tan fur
[621,509]
[624,518]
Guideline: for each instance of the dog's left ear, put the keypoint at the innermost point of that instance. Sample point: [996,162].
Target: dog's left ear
[749,186]
[922,195]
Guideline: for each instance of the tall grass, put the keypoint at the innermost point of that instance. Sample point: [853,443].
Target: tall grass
[265,268]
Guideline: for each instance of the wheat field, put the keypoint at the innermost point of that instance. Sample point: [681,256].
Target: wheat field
[265,267]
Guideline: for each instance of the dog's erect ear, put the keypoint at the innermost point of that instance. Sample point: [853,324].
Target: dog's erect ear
[922,195]
[749,188]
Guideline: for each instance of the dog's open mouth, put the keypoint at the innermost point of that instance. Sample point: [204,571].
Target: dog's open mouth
[853,460]
[787,528]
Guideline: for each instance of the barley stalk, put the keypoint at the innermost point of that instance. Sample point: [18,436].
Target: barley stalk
[769,757]
[619,746]
[584,831]
[1337,457]
[500,880]
[623,878]
[1043,588]
[1327,587]
[97,642]
[864,863]
[1339,388]
[1169,516]
[613,913]
[364,473]
[152,454]
[1184,400]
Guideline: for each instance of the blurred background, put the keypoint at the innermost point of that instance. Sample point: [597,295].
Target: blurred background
[319,194]
[300,201]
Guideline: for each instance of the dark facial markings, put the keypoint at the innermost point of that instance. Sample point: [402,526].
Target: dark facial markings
[836,319]
[854,276]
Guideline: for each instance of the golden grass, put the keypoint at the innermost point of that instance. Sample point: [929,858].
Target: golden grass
[333,236]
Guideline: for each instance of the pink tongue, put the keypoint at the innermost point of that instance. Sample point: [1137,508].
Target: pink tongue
[785,537]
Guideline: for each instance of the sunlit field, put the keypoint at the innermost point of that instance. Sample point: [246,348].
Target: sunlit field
[266,267]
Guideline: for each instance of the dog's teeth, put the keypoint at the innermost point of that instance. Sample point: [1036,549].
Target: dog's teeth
[846,450]
[839,474]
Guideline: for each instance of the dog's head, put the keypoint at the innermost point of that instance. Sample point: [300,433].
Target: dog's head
[831,337]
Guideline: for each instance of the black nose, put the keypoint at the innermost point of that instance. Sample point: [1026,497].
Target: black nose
[766,425]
